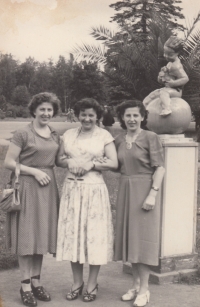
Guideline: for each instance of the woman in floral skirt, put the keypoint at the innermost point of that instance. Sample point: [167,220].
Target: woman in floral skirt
[85,230]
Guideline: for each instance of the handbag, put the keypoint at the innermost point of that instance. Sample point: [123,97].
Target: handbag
[10,201]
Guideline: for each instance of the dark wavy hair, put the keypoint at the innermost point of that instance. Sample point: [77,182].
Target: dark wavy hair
[131,104]
[38,99]
[88,103]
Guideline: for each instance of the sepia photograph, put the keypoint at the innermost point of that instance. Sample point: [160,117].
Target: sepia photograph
[99,153]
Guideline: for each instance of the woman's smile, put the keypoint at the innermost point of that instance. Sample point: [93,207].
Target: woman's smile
[88,118]
[132,119]
[44,113]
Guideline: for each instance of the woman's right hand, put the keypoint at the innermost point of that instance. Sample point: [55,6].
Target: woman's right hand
[41,177]
[74,167]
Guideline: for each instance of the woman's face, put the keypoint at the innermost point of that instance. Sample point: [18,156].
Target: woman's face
[43,113]
[88,118]
[132,119]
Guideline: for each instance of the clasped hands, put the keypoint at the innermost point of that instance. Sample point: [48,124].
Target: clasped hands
[80,165]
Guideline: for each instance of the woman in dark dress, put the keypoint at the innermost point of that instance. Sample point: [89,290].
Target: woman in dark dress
[32,232]
[140,158]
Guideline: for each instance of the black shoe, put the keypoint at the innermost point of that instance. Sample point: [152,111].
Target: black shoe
[88,296]
[28,298]
[41,294]
[73,294]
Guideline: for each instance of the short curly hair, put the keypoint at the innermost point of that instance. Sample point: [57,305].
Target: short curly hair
[88,103]
[121,108]
[38,99]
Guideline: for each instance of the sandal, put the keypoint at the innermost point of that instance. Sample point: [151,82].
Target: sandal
[73,294]
[39,292]
[88,296]
[28,298]
[129,295]
[142,299]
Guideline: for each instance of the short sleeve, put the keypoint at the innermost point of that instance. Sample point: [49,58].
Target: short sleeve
[118,139]
[107,137]
[155,151]
[19,138]
[56,137]
[66,135]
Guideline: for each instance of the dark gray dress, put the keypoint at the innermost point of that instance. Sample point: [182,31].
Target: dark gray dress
[34,229]
[137,230]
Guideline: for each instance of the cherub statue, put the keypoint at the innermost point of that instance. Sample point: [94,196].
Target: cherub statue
[172,76]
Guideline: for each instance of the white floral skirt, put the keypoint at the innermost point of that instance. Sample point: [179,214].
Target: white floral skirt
[85,229]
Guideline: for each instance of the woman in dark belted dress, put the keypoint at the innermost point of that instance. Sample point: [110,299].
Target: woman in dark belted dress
[32,232]
[140,157]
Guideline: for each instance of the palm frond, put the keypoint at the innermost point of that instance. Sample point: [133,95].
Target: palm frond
[102,33]
[90,53]
[193,36]
[192,41]
[192,26]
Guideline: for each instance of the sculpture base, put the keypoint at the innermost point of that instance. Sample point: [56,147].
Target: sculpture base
[174,138]
[164,278]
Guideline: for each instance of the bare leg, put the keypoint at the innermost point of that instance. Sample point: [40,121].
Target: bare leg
[77,269]
[136,277]
[132,292]
[150,97]
[165,95]
[144,272]
[36,269]
[92,280]
[25,266]
[165,102]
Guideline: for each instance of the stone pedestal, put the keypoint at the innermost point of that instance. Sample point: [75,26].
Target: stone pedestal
[178,200]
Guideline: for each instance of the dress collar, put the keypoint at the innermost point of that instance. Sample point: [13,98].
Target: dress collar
[53,131]
[95,131]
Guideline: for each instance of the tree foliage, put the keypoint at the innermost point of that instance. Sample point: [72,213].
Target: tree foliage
[69,80]
[132,64]
[20,96]
[8,68]
[88,81]
[135,14]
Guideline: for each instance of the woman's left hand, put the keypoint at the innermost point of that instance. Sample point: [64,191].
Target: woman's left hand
[86,167]
[149,203]
[101,159]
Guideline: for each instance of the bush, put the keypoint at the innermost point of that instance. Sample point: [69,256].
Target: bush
[2,114]
[25,113]
[17,111]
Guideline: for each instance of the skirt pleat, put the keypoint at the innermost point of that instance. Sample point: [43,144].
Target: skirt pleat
[137,230]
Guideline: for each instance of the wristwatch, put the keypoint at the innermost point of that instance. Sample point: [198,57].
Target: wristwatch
[155,188]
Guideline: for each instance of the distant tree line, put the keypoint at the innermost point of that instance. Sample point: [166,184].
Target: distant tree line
[69,80]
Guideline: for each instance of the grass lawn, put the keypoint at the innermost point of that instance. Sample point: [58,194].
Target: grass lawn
[28,119]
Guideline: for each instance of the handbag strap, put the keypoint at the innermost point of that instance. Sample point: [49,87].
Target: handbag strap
[17,172]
